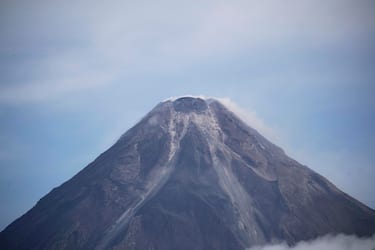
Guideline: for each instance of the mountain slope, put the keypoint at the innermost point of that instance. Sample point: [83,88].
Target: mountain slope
[190,175]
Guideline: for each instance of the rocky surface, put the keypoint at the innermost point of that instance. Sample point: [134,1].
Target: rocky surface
[189,175]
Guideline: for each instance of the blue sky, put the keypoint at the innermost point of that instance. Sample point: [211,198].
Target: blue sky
[75,75]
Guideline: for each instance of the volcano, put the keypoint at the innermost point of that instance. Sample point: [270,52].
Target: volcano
[189,175]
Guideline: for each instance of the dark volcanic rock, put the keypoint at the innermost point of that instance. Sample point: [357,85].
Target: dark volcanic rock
[190,175]
[190,104]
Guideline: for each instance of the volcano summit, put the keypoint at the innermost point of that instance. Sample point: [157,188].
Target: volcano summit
[189,175]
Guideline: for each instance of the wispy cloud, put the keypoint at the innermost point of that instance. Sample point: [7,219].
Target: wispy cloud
[328,242]
[68,46]
[44,90]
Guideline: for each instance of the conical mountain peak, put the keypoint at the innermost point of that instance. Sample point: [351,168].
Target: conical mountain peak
[189,175]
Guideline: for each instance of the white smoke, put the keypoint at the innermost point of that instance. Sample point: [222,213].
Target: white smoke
[251,118]
[328,242]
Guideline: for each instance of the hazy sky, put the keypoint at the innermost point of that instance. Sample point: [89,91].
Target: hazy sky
[75,75]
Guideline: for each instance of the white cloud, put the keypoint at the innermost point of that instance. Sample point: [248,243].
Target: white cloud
[162,36]
[203,28]
[328,242]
